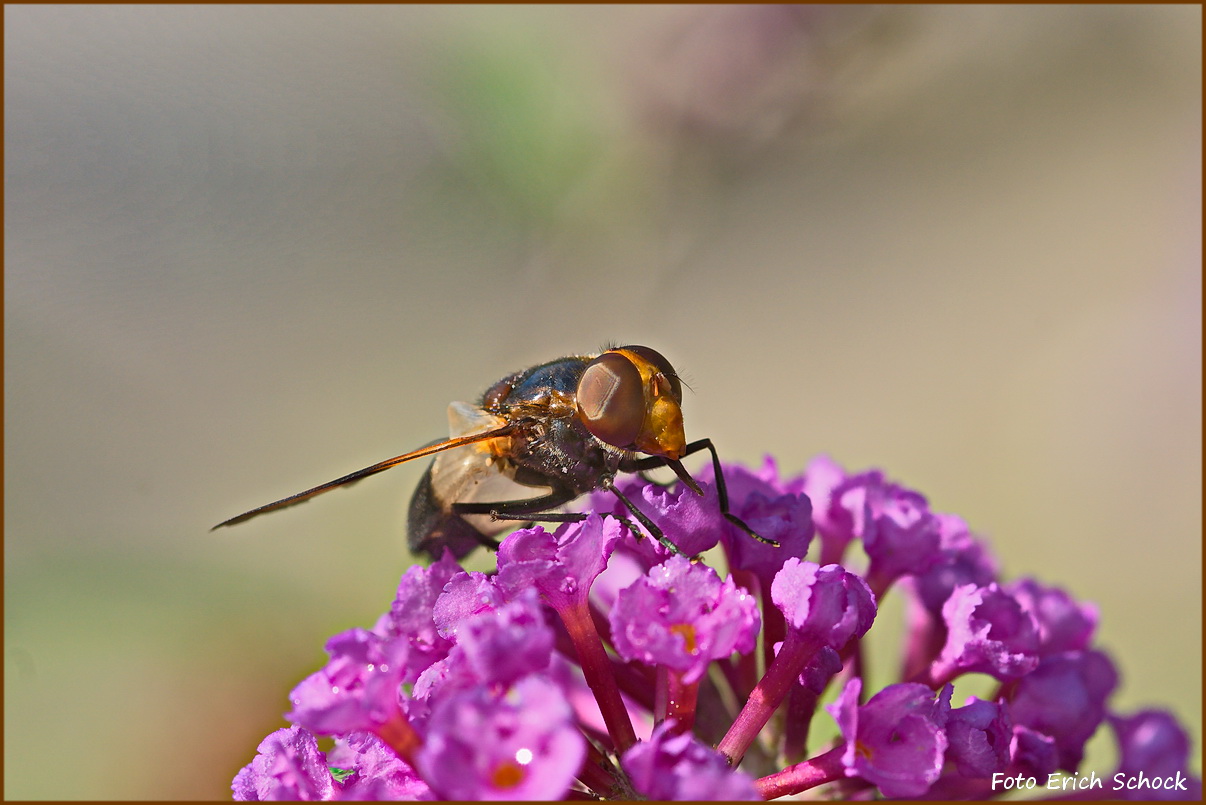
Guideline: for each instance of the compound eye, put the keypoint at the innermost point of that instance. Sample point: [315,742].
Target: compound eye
[663,367]
[611,399]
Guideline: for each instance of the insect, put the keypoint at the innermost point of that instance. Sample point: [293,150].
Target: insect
[549,433]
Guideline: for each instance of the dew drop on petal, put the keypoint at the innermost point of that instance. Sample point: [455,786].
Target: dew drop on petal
[524,756]
[335,690]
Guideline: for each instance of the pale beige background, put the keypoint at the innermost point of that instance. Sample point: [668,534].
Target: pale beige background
[249,249]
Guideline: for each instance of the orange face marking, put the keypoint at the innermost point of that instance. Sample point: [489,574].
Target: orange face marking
[662,432]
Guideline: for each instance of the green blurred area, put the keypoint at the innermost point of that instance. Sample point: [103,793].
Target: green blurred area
[250,249]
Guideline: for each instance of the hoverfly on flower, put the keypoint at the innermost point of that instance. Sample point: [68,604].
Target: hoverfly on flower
[540,438]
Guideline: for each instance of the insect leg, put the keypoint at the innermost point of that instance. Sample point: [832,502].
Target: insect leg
[502,508]
[643,519]
[540,517]
[563,517]
[722,492]
[530,510]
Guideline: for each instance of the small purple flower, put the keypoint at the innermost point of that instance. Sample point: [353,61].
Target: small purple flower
[523,683]
[513,641]
[1152,743]
[786,519]
[899,533]
[288,765]
[357,690]
[440,678]
[376,773]
[683,616]
[819,670]
[464,596]
[679,767]
[497,641]
[988,632]
[979,736]
[826,606]
[761,501]
[822,606]
[561,565]
[1065,697]
[520,745]
[690,521]
[1063,624]
[834,524]
[410,615]
[766,479]
[962,559]
[1032,754]
[897,739]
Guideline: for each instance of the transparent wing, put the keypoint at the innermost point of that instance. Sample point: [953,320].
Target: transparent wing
[380,466]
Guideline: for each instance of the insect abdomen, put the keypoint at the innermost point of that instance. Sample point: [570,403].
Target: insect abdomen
[431,529]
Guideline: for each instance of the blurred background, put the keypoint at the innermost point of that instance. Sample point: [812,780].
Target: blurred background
[249,249]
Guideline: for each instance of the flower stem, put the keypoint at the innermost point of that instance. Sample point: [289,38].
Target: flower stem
[596,667]
[879,583]
[744,675]
[635,682]
[766,697]
[831,551]
[803,776]
[774,627]
[401,737]
[924,641]
[801,707]
[676,699]
[598,773]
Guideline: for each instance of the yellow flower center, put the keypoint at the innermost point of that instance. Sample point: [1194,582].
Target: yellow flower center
[688,633]
[507,774]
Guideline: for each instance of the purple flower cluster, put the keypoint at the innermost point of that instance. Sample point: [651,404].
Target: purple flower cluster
[595,664]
